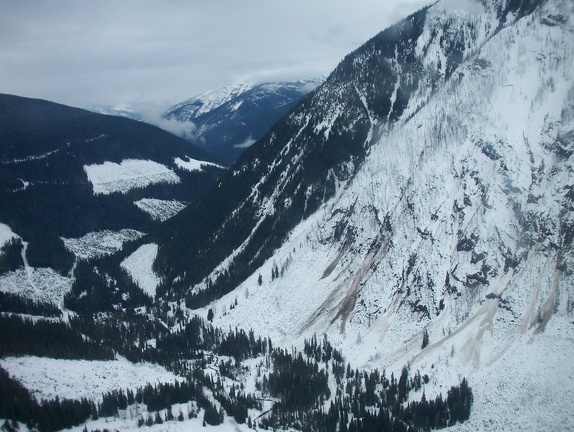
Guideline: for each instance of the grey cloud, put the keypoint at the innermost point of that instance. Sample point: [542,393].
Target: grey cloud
[153,113]
[248,142]
[113,52]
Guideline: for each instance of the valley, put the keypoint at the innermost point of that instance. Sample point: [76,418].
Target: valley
[395,253]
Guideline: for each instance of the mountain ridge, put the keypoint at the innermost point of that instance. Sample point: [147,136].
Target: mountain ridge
[230,119]
[458,225]
[67,173]
[349,113]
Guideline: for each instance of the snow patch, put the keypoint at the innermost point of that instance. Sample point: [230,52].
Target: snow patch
[111,177]
[41,284]
[100,243]
[236,105]
[48,378]
[139,266]
[160,210]
[194,164]
[6,234]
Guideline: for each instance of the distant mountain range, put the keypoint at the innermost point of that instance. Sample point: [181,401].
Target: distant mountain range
[230,119]
[116,111]
[227,120]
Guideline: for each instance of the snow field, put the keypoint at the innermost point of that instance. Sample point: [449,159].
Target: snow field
[139,266]
[100,243]
[41,284]
[111,177]
[48,378]
[160,210]
[530,388]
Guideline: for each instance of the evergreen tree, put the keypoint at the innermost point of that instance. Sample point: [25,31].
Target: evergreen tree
[425,339]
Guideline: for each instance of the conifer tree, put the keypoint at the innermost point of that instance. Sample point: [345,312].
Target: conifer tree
[425,339]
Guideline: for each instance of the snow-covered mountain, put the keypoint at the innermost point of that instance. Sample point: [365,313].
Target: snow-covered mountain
[313,154]
[230,119]
[426,186]
[415,210]
[207,101]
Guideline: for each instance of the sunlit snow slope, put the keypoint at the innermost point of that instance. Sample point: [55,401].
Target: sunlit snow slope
[458,222]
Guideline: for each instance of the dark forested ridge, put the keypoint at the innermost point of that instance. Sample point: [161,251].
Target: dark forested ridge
[44,191]
[47,338]
[10,302]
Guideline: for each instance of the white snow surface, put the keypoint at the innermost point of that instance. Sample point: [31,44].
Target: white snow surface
[139,266]
[48,378]
[477,163]
[127,421]
[529,388]
[160,210]
[42,284]
[100,243]
[6,234]
[111,177]
[194,164]
[211,99]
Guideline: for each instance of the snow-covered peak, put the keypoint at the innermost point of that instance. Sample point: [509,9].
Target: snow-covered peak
[227,119]
[209,100]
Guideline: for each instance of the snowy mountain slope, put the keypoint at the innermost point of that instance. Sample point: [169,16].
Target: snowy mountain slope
[424,189]
[459,222]
[207,101]
[139,266]
[230,119]
[312,154]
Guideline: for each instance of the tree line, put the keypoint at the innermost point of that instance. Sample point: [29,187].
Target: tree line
[299,383]
[15,303]
[45,338]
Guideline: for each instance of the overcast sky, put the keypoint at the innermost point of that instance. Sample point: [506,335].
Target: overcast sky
[129,52]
